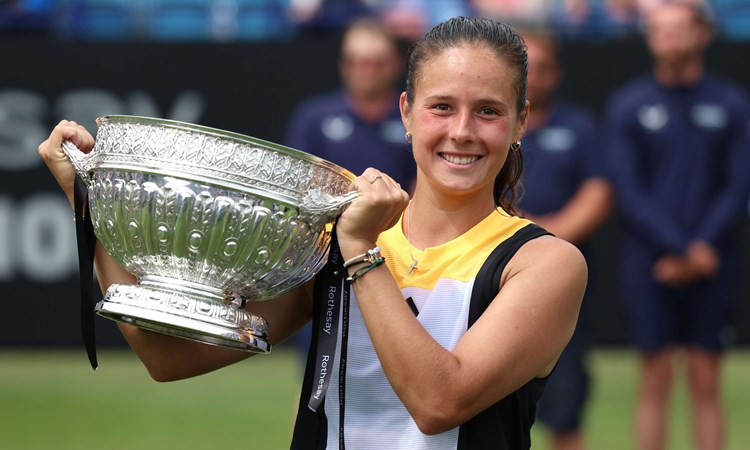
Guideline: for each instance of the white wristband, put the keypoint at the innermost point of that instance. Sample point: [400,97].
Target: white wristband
[371,256]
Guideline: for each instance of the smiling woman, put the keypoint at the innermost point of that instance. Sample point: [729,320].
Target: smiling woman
[441,374]
[463,117]
[452,318]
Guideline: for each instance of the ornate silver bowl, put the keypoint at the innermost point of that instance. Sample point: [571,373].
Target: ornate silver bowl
[206,220]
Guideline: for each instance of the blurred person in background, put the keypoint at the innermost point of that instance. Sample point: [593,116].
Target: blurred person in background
[680,152]
[528,12]
[406,19]
[602,18]
[410,19]
[331,14]
[565,192]
[27,15]
[359,125]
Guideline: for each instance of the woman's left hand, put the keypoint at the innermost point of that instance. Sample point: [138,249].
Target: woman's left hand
[378,206]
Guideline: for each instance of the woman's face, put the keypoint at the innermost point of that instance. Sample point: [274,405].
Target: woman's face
[463,119]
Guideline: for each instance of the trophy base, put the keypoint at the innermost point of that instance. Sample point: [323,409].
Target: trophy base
[185,314]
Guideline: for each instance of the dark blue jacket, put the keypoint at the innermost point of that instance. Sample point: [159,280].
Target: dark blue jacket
[558,158]
[680,162]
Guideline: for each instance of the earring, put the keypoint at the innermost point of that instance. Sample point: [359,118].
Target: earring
[516,146]
[408,137]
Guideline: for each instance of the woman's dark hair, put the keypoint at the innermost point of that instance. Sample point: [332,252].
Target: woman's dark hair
[509,46]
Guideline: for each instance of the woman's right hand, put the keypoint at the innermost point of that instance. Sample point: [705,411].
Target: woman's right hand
[57,161]
[378,207]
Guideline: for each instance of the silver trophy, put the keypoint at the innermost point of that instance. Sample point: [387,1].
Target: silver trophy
[206,220]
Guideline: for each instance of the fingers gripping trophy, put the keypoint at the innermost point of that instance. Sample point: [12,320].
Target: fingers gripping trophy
[206,220]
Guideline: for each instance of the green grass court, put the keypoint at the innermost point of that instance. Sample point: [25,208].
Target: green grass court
[53,400]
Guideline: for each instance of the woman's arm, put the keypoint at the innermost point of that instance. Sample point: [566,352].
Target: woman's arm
[519,336]
[167,357]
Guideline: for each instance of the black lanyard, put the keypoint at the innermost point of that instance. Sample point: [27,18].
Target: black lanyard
[332,290]
[86,240]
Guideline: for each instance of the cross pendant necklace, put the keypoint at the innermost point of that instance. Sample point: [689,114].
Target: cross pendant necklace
[413,265]
[414,261]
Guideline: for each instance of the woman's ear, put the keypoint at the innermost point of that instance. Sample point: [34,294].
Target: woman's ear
[405,111]
[523,121]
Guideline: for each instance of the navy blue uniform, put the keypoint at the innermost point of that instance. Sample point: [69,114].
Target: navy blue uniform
[327,126]
[558,158]
[680,160]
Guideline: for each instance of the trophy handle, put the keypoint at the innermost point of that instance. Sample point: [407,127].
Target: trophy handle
[81,161]
[317,202]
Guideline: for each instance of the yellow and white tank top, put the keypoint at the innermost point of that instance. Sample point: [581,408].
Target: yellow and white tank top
[441,288]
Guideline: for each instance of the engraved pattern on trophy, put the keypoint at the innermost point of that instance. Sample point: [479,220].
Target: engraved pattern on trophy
[206,220]
[212,158]
[228,326]
[182,231]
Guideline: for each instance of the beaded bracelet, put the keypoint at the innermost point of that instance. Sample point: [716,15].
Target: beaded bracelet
[363,270]
[371,256]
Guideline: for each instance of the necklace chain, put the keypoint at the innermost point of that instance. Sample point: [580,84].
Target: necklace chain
[414,261]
